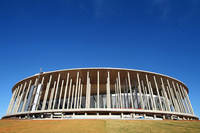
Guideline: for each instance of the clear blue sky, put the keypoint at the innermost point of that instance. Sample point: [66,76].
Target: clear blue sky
[155,35]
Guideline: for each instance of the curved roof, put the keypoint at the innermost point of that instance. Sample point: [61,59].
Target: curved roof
[107,68]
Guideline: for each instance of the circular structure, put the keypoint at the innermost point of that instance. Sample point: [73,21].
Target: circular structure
[100,93]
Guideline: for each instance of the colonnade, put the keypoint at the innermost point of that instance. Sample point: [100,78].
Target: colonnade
[132,90]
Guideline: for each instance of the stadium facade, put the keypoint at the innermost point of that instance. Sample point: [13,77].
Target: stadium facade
[100,93]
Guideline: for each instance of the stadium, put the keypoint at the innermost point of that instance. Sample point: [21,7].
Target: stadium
[100,93]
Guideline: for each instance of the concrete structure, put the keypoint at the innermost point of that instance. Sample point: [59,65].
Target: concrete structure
[100,93]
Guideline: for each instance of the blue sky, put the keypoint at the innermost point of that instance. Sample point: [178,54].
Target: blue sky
[155,35]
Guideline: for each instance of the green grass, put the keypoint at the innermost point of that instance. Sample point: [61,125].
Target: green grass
[98,126]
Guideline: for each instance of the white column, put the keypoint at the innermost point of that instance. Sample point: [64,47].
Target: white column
[60,94]
[172,96]
[81,96]
[65,94]
[97,89]
[184,98]
[158,92]
[70,86]
[55,97]
[188,99]
[119,88]
[181,100]
[22,94]
[139,88]
[108,91]
[75,97]
[88,91]
[166,98]
[150,93]
[26,95]
[154,104]
[51,96]
[130,89]
[72,101]
[177,97]
[40,93]
[17,100]
[46,93]
[79,89]
[11,101]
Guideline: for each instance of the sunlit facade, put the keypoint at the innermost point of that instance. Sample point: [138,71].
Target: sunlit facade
[100,93]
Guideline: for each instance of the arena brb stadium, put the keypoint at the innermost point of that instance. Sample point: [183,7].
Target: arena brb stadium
[97,93]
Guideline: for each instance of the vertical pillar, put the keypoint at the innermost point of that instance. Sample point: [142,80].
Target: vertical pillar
[88,91]
[158,92]
[81,96]
[55,97]
[79,89]
[51,96]
[119,88]
[130,89]
[97,89]
[177,97]
[20,98]
[154,104]
[181,99]
[70,86]
[60,94]
[40,93]
[165,94]
[25,98]
[184,98]
[65,94]
[75,97]
[146,98]
[172,96]
[17,100]
[150,93]
[72,101]
[11,101]
[46,93]
[139,88]
[188,99]
[108,91]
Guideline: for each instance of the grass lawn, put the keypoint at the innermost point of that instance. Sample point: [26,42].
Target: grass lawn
[98,126]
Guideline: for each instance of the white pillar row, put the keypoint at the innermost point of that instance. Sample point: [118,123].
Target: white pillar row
[17,100]
[11,101]
[40,93]
[97,89]
[184,98]
[66,88]
[75,96]
[158,93]
[139,88]
[55,97]
[172,96]
[148,104]
[188,99]
[130,89]
[72,101]
[61,89]
[81,96]
[108,91]
[26,95]
[79,89]
[120,92]
[151,89]
[51,96]
[22,94]
[165,95]
[69,94]
[46,93]
[178,99]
